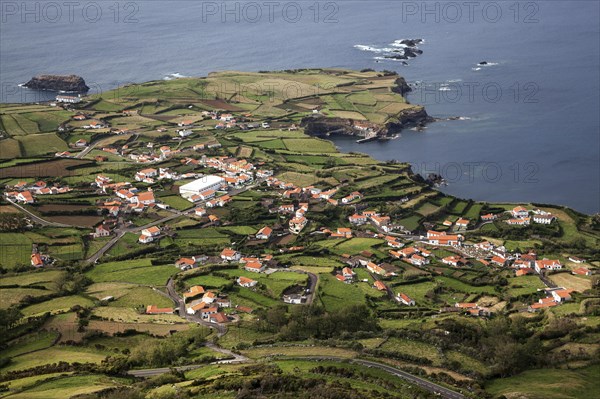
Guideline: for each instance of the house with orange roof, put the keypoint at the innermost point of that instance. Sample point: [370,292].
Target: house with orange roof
[200,212]
[186,263]
[392,242]
[454,260]
[193,309]
[153,309]
[380,286]
[488,217]
[153,231]
[561,295]
[246,282]
[218,318]
[499,260]
[464,305]
[297,224]
[405,299]
[443,239]
[408,252]
[582,271]
[101,231]
[547,264]
[520,212]
[519,221]
[209,297]
[418,260]
[145,239]
[255,267]
[230,255]
[146,198]
[206,312]
[374,268]
[194,291]
[264,233]
[36,260]
[542,304]
[524,272]
[462,223]
[146,173]
[348,273]
[25,197]
[351,197]
[342,232]
[357,219]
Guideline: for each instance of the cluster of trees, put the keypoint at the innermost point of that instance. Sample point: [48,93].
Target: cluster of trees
[13,222]
[170,351]
[308,322]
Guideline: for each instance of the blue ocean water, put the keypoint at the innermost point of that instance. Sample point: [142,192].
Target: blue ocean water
[530,126]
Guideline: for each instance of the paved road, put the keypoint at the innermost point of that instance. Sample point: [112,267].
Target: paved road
[418,381]
[175,214]
[221,329]
[36,218]
[105,248]
[421,382]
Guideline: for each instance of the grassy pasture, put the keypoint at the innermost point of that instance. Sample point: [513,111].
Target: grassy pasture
[138,271]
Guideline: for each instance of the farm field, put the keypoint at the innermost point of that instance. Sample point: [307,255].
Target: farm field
[83,306]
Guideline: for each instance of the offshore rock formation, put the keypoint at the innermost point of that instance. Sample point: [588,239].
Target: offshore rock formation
[68,83]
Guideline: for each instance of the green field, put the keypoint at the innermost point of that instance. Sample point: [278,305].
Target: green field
[15,249]
[138,271]
[57,305]
[550,384]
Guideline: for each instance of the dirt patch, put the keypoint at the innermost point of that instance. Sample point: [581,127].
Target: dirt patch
[61,208]
[8,209]
[220,104]
[77,220]
[285,240]
[111,327]
[54,168]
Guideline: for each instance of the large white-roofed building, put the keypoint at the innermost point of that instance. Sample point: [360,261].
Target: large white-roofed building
[200,185]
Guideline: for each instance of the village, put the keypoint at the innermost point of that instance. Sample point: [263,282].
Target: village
[158,217]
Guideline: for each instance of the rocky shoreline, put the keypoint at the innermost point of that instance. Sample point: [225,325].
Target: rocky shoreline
[65,83]
[414,117]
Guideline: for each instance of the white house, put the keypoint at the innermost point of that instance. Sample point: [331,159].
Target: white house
[230,255]
[68,99]
[405,299]
[547,264]
[246,282]
[520,212]
[264,233]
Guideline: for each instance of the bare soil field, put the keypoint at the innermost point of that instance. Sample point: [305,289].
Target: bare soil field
[76,220]
[53,168]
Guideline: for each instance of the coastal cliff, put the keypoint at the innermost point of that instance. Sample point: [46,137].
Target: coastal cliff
[412,116]
[69,83]
[319,125]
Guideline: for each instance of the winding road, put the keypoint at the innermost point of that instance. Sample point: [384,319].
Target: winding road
[418,381]
[36,218]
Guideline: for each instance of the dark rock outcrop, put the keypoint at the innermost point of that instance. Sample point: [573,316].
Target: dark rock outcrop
[410,117]
[401,87]
[68,83]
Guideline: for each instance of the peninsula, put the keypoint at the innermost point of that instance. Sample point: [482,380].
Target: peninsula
[193,238]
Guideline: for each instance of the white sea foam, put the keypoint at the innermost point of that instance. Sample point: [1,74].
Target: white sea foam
[175,75]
